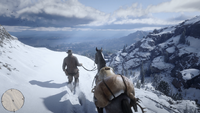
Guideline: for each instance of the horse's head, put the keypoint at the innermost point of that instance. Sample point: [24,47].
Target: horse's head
[99,59]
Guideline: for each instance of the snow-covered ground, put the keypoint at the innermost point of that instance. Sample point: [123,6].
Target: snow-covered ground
[37,73]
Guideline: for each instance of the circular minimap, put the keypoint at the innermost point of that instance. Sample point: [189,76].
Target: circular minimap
[12,100]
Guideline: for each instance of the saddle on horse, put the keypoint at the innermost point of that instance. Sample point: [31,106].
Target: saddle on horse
[109,86]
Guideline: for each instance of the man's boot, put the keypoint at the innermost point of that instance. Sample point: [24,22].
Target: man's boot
[76,82]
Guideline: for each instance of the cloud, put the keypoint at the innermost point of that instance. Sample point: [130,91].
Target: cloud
[136,14]
[147,28]
[72,15]
[49,13]
[67,9]
[175,6]
[134,10]
[107,28]
[179,18]
[16,28]
[149,21]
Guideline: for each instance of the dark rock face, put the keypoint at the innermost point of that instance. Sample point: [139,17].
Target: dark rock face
[155,70]
[132,47]
[194,83]
[179,30]
[176,83]
[190,30]
[193,30]
[186,61]
[137,44]
[156,52]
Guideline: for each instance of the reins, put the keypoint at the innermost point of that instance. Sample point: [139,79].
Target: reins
[94,69]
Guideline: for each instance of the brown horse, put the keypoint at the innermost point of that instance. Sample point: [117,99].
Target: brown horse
[111,90]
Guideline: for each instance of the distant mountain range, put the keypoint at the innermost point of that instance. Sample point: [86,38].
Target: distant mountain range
[118,43]
[88,48]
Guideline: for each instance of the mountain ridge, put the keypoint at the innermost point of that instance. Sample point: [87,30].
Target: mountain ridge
[165,52]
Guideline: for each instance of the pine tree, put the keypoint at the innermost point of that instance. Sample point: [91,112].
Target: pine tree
[164,87]
[138,84]
[142,79]
[124,49]
[188,43]
[151,69]
[166,57]
[186,109]
[182,38]
[131,73]
[122,72]
[179,96]
[142,73]
[155,80]
[126,72]
[195,111]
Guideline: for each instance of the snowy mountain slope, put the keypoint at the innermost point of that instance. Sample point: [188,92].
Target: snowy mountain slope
[37,73]
[166,52]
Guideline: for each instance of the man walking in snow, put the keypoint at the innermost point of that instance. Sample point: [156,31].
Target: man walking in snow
[72,71]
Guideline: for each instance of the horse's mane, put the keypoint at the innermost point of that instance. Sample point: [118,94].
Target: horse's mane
[102,58]
[99,59]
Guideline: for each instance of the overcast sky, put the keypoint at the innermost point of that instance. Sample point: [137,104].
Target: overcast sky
[94,17]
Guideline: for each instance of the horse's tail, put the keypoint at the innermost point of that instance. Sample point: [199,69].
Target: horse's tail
[126,108]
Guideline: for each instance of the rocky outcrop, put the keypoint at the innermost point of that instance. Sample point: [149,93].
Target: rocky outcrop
[186,80]
[190,29]
[194,83]
[4,35]
[176,83]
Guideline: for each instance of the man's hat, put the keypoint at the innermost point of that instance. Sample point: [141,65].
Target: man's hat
[69,51]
